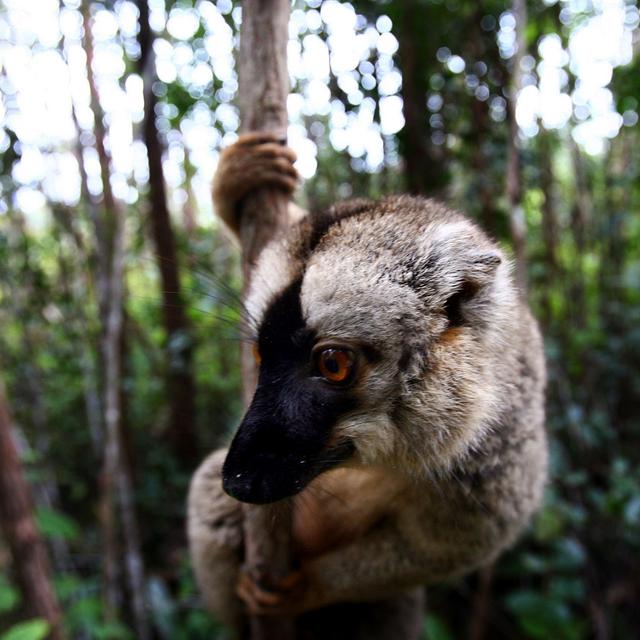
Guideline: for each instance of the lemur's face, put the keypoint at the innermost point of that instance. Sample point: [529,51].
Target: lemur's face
[304,386]
[347,338]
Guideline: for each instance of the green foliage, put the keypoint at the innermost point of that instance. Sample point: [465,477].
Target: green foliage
[436,629]
[9,596]
[53,524]
[30,630]
[85,614]
[545,615]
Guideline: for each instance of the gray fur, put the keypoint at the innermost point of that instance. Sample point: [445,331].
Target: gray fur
[453,417]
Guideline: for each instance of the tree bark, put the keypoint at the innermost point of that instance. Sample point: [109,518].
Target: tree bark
[581,215]
[102,224]
[549,221]
[88,359]
[116,482]
[514,174]
[90,257]
[481,604]
[103,230]
[480,135]
[19,529]
[117,479]
[181,388]
[425,166]
[262,96]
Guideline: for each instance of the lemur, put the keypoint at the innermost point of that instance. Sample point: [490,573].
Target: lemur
[400,400]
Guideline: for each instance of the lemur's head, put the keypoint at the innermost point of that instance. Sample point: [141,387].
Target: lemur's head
[377,330]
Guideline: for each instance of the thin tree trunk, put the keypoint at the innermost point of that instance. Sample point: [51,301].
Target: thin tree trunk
[88,358]
[116,483]
[481,130]
[425,166]
[18,527]
[92,258]
[514,174]
[103,225]
[481,607]
[262,95]
[549,222]
[23,301]
[46,491]
[180,382]
[117,479]
[190,208]
[580,223]
[103,230]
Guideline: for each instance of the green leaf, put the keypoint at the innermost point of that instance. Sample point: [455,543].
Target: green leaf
[36,629]
[548,524]
[112,631]
[436,629]
[543,616]
[54,524]
[9,597]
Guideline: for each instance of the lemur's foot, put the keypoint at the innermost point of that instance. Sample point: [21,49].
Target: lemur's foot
[255,160]
[290,596]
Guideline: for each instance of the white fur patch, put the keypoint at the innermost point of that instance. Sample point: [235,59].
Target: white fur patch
[274,272]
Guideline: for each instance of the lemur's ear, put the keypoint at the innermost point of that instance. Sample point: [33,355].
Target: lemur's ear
[483,265]
[479,273]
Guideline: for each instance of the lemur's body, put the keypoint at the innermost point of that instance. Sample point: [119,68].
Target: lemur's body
[429,456]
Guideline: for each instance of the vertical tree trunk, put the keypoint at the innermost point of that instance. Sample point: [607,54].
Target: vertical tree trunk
[103,236]
[88,359]
[24,301]
[190,208]
[549,221]
[479,138]
[180,382]
[481,605]
[103,226]
[514,175]
[580,222]
[18,527]
[262,95]
[116,483]
[117,479]
[425,167]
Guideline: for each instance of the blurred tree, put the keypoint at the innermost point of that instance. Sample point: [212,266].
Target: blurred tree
[116,478]
[180,381]
[29,555]
[514,186]
[420,28]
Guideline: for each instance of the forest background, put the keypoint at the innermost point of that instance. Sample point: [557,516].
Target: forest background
[119,347]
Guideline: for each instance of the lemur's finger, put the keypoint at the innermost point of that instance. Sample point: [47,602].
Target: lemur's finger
[256,598]
[258,137]
[278,180]
[256,166]
[266,174]
[291,581]
[241,169]
[272,150]
[280,164]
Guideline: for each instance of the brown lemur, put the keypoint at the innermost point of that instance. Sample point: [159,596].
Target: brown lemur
[399,401]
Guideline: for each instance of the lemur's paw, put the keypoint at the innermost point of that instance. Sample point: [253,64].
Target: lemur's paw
[255,160]
[289,597]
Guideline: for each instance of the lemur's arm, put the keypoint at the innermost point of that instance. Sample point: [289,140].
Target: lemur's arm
[380,564]
[255,160]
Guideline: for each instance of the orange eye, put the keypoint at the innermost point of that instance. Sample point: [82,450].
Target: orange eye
[335,365]
[256,353]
